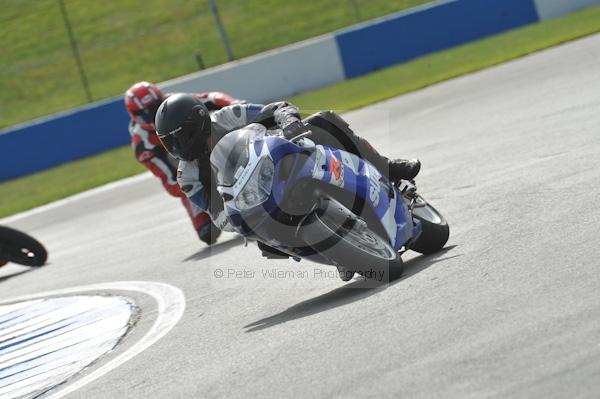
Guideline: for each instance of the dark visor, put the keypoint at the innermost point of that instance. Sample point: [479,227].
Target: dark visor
[181,140]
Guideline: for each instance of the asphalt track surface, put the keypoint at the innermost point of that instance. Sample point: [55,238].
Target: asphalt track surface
[510,309]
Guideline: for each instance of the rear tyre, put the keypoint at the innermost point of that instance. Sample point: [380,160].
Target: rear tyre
[21,248]
[346,240]
[435,229]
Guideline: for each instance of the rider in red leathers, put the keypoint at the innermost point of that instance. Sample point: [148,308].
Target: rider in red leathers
[142,101]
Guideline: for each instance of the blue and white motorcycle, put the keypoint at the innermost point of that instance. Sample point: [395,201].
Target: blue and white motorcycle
[302,200]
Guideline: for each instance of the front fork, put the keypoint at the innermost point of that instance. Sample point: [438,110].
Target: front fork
[408,190]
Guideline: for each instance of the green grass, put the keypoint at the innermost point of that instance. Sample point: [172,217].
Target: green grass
[124,41]
[68,179]
[34,190]
[431,69]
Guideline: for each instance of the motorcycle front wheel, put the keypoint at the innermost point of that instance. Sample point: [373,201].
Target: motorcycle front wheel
[346,240]
[435,231]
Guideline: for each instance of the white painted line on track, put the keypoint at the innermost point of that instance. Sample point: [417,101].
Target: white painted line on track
[78,197]
[170,303]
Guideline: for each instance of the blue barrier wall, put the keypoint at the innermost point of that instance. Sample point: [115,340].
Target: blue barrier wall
[429,29]
[348,53]
[64,138]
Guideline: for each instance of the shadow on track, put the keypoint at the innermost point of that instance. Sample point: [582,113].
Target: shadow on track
[347,294]
[9,276]
[215,249]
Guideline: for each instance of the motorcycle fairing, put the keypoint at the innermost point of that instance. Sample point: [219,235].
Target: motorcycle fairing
[334,167]
[350,172]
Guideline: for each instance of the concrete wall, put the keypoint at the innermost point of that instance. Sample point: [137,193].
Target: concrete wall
[555,8]
[280,73]
[102,126]
[272,75]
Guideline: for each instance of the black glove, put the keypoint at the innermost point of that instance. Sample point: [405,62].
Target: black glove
[295,129]
[277,114]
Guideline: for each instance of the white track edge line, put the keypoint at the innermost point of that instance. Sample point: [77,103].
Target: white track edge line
[170,301]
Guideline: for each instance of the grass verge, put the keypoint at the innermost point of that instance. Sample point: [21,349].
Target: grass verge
[34,190]
[68,179]
[437,67]
[121,42]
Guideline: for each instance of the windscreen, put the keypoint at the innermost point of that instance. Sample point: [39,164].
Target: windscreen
[229,155]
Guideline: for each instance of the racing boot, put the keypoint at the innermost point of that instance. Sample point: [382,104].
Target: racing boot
[404,169]
[335,132]
[209,233]
[395,170]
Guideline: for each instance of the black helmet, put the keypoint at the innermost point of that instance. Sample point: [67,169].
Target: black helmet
[183,125]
